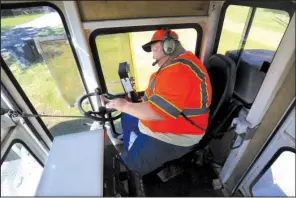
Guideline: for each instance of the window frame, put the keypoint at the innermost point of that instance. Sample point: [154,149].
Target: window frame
[117,30]
[15,141]
[265,146]
[7,6]
[17,107]
[269,164]
[276,5]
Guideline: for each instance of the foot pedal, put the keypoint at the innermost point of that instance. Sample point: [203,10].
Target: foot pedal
[199,158]
[169,172]
[217,185]
[122,176]
[120,137]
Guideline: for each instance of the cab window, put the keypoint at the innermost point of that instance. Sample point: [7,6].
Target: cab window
[42,62]
[277,179]
[250,35]
[20,171]
[115,47]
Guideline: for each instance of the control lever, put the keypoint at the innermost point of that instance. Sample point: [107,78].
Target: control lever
[126,81]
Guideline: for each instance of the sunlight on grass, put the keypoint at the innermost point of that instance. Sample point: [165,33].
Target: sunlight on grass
[8,23]
[42,87]
[268,19]
[266,31]
[39,86]
[230,41]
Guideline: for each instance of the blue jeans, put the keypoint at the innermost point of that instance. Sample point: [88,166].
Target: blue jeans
[128,123]
[147,153]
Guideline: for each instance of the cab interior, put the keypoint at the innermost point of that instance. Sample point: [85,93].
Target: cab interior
[52,53]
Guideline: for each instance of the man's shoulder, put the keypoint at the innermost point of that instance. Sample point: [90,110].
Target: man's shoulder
[176,67]
[187,55]
[192,60]
[190,57]
[181,63]
[152,75]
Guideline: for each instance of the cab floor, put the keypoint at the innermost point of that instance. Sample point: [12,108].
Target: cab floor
[194,182]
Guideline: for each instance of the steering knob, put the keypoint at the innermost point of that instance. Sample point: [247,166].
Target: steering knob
[102,110]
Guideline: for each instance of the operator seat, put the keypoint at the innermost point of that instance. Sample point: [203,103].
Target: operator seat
[222,72]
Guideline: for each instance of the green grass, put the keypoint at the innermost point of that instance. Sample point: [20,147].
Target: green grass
[230,40]
[264,18]
[63,67]
[8,23]
[54,31]
[41,88]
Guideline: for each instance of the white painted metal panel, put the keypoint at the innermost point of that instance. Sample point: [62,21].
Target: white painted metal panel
[275,184]
[74,166]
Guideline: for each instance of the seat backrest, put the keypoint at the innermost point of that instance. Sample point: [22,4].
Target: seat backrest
[222,73]
[248,82]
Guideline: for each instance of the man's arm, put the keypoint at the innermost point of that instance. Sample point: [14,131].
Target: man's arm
[140,110]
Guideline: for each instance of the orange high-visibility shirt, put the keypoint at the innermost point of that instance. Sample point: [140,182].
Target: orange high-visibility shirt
[183,86]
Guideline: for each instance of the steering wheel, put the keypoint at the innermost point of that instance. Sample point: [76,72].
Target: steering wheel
[97,115]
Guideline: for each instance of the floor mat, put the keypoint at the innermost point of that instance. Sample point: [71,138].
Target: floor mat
[194,182]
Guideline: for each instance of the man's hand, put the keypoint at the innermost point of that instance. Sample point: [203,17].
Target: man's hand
[105,100]
[140,110]
[118,104]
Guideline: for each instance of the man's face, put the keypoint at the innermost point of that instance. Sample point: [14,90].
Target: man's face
[157,51]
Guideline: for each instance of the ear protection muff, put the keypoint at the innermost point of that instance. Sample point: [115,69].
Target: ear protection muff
[169,43]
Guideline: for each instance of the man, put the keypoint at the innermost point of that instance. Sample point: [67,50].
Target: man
[174,112]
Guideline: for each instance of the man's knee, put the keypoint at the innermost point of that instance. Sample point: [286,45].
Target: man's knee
[138,164]
[148,154]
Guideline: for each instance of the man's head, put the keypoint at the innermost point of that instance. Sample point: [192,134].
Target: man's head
[166,39]
[159,45]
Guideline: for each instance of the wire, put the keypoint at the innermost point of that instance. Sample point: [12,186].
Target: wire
[17,113]
[163,65]
[47,115]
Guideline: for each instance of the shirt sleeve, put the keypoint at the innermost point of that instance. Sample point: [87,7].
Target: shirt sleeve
[171,92]
[147,90]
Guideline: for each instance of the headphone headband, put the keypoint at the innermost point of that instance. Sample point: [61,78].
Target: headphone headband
[168,35]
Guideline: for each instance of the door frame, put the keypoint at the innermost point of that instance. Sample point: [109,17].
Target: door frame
[275,145]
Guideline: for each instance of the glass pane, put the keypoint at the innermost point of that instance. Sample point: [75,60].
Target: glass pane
[279,179]
[20,172]
[233,27]
[35,48]
[266,32]
[262,40]
[113,49]
[127,47]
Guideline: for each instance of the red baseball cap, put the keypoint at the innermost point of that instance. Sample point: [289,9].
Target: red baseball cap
[159,35]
